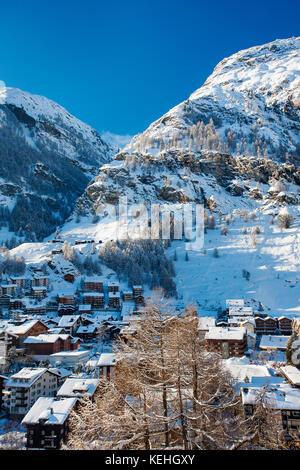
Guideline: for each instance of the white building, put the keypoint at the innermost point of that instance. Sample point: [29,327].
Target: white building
[69,358]
[27,385]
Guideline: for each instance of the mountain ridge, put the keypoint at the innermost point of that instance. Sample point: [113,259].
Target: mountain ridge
[195,153]
[48,157]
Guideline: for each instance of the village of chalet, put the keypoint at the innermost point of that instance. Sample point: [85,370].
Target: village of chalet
[56,346]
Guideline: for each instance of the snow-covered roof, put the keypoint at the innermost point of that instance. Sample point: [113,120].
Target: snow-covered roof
[48,338]
[106,359]
[86,329]
[206,322]
[78,354]
[60,371]
[49,410]
[273,342]
[78,387]
[25,377]
[242,369]
[280,397]
[230,333]
[22,329]
[292,374]
[68,320]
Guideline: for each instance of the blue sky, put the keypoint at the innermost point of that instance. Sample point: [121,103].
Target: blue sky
[119,65]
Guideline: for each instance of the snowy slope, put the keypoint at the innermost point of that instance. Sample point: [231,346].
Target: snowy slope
[274,267]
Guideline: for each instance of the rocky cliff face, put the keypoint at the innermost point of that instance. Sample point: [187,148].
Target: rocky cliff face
[231,135]
[47,158]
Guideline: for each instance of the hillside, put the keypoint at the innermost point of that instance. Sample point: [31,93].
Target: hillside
[47,158]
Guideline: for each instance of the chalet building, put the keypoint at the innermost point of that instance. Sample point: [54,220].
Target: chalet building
[66,299]
[16,316]
[69,277]
[266,326]
[39,292]
[2,379]
[93,299]
[44,345]
[249,324]
[51,305]
[62,374]
[40,281]
[27,385]
[16,304]
[114,299]
[280,397]
[36,309]
[137,290]
[63,310]
[271,325]
[9,339]
[229,342]
[292,374]
[47,423]
[70,323]
[273,342]
[93,285]
[75,344]
[285,325]
[113,287]
[20,282]
[4,299]
[69,358]
[240,312]
[9,289]
[127,296]
[88,332]
[28,328]
[78,387]
[106,364]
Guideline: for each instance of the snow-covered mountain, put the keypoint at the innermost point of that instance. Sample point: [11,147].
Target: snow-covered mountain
[231,134]
[254,94]
[47,158]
